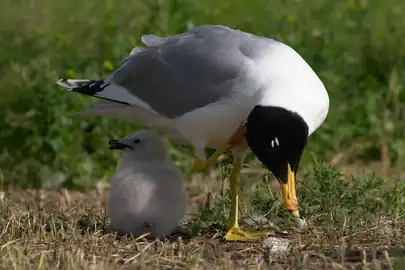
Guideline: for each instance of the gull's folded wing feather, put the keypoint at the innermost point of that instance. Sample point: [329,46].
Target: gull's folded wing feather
[181,73]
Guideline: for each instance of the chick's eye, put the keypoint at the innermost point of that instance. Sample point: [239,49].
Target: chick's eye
[136,141]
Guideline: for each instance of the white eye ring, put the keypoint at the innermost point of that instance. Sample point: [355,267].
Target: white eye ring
[275,141]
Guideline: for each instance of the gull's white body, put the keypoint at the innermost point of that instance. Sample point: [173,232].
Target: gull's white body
[147,192]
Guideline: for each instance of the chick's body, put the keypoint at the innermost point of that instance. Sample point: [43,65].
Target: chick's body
[147,192]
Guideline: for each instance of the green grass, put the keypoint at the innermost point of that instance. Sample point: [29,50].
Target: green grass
[350,184]
[356,47]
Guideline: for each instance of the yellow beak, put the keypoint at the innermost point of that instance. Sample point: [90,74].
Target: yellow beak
[289,194]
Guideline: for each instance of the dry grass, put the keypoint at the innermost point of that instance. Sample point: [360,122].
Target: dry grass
[68,230]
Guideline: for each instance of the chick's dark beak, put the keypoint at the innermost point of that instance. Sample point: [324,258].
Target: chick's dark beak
[289,192]
[117,145]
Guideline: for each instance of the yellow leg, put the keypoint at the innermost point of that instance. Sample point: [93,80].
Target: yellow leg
[235,233]
[201,165]
[237,138]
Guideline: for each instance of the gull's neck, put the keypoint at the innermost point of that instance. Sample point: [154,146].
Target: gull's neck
[293,85]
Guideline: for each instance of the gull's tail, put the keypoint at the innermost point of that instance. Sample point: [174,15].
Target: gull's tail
[131,114]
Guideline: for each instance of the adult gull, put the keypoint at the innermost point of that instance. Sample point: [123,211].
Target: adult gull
[216,87]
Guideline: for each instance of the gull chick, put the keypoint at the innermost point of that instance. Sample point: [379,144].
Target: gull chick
[147,193]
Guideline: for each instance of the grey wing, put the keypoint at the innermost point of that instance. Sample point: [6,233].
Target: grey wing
[178,74]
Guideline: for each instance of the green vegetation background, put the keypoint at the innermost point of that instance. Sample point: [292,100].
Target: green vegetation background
[356,47]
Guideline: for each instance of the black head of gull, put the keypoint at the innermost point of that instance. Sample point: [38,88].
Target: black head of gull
[278,138]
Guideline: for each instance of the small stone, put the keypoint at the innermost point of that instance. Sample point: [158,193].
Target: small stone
[302,223]
[276,245]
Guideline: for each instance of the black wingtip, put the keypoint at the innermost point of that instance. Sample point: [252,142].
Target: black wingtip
[91,88]
[88,88]
[65,83]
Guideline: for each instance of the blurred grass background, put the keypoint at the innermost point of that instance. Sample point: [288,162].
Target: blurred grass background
[356,47]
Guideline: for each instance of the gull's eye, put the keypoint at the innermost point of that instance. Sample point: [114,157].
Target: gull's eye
[136,141]
[275,142]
